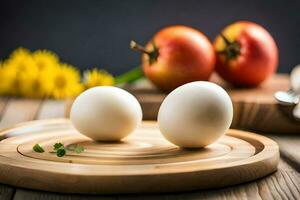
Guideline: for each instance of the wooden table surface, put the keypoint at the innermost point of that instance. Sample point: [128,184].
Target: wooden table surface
[284,184]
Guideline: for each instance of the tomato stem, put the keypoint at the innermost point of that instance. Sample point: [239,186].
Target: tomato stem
[232,49]
[227,42]
[135,46]
[153,55]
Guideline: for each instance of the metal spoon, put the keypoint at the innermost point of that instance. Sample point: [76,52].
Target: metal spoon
[292,96]
[289,97]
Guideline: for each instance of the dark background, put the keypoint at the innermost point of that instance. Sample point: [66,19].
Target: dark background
[97,33]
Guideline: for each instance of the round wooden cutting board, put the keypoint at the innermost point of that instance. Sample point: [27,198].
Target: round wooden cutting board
[144,162]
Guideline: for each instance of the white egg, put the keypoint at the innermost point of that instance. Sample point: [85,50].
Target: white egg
[106,113]
[195,114]
[295,79]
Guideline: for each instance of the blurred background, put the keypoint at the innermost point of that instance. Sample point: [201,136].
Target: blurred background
[97,33]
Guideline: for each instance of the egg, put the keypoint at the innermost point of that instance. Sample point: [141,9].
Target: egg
[106,113]
[295,79]
[195,114]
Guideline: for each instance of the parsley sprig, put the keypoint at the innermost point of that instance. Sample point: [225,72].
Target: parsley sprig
[60,149]
[38,148]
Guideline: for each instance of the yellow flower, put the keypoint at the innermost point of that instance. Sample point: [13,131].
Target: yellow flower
[22,62]
[2,86]
[97,77]
[37,86]
[20,52]
[10,81]
[45,60]
[66,82]
[19,67]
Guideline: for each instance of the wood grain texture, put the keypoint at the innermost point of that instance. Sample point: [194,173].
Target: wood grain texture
[289,149]
[18,110]
[51,109]
[144,162]
[3,102]
[14,111]
[254,108]
[6,192]
[284,184]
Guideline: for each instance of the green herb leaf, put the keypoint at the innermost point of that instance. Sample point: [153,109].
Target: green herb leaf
[37,148]
[60,149]
[60,152]
[79,149]
[76,148]
[57,146]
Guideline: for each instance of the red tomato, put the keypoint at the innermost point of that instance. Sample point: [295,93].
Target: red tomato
[246,54]
[177,55]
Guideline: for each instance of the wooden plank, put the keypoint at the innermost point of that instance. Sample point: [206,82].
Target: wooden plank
[289,149]
[51,109]
[3,102]
[19,110]
[22,194]
[6,192]
[284,184]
